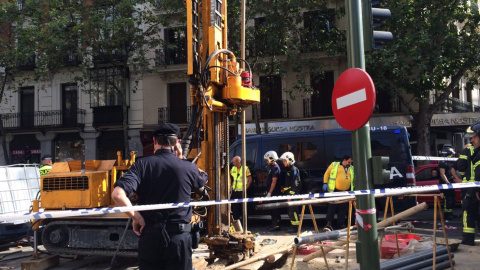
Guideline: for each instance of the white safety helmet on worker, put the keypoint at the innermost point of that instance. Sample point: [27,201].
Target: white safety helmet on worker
[271,156]
[288,156]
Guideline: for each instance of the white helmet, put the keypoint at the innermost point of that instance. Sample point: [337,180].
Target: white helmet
[271,156]
[289,157]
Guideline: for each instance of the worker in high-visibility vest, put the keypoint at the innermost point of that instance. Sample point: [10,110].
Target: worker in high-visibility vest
[47,163]
[338,177]
[237,185]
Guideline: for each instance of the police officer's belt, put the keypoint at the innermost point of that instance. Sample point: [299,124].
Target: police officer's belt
[178,227]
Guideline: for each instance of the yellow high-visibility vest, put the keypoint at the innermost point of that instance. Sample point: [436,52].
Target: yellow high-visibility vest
[333,177]
[236,174]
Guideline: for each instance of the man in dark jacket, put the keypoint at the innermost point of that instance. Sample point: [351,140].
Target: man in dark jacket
[165,239]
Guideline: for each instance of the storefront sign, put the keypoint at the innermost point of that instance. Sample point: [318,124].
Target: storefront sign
[438,120]
[22,152]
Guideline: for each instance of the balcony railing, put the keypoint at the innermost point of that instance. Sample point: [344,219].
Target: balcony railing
[28,64]
[266,111]
[456,105]
[71,60]
[174,115]
[43,119]
[167,57]
[108,116]
[307,107]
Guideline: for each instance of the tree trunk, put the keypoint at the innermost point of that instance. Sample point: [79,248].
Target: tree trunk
[126,138]
[423,121]
[2,131]
[4,143]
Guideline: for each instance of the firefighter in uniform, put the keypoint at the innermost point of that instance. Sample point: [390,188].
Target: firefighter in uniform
[291,187]
[165,240]
[273,187]
[338,177]
[467,165]
[47,162]
[237,185]
[447,178]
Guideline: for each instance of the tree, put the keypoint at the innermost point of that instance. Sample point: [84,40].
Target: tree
[110,42]
[436,43]
[16,51]
[288,36]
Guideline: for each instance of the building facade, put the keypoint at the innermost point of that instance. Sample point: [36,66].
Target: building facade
[58,116]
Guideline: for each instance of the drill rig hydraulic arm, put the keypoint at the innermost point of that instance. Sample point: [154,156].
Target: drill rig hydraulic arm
[216,92]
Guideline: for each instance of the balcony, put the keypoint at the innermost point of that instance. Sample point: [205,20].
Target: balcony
[269,111]
[71,60]
[108,116]
[43,119]
[168,57]
[174,115]
[455,105]
[28,64]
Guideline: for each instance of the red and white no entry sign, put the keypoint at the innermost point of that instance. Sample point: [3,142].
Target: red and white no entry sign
[353,99]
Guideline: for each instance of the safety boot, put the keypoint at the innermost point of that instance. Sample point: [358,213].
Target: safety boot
[328,227]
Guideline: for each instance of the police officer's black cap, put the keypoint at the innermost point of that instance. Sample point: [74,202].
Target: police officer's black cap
[47,156]
[167,129]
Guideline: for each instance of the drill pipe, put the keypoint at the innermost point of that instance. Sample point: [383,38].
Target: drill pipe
[382,223]
[337,234]
[303,202]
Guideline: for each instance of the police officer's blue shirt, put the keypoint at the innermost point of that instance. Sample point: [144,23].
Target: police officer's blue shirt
[163,178]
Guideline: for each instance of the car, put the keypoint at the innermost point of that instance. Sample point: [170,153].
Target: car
[427,175]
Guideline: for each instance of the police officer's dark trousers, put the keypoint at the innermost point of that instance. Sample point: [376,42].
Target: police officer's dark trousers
[155,254]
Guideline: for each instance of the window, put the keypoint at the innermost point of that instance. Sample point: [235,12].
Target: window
[271,104]
[175,46]
[107,83]
[322,85]
[27,106]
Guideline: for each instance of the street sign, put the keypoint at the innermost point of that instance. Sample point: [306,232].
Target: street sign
[353,99]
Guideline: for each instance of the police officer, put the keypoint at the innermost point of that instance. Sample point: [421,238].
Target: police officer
[447,178]
[47,163]
[237,185]
[273,187]
[338,177]
[291,187]
[467,164]
[165,240]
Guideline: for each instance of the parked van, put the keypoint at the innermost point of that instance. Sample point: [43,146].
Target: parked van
[315,150]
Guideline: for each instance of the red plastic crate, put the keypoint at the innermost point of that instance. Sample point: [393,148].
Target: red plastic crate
[402,238]
[390,248]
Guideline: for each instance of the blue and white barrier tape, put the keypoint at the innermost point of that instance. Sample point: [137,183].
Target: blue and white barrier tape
[433,158]
[109,210]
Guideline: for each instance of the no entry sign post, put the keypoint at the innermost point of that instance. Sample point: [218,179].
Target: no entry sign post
[353,101]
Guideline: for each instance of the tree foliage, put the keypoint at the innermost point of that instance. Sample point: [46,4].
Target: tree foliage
[436,43]
[81,37]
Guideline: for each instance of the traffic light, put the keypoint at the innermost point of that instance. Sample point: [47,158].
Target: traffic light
[373,17]
[379,170]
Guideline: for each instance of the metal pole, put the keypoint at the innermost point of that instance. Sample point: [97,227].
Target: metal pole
[244,172]
[244,142]
[367,243]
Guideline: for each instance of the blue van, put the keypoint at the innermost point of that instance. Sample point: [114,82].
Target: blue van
[315,150]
